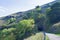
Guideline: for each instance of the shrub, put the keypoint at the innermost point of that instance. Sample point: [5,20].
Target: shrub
[24,27]
[7,34]
[56,28]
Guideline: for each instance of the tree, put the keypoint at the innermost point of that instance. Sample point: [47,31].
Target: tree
[11,20]
[40,22]
[54,14]
[38,9]
[33,13]
[23,27]
[56,28]
[8,34]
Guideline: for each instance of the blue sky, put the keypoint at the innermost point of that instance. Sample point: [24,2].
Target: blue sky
[8,7]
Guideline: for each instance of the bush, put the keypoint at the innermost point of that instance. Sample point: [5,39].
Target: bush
[11,20]
[56,28]
[24,27]
[7,34]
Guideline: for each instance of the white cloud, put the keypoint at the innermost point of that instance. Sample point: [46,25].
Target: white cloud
[41,2]
[3,8]
[3,11]
[15,6]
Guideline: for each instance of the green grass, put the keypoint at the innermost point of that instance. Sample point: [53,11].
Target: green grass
[37,36]
[47,38]
[58,34]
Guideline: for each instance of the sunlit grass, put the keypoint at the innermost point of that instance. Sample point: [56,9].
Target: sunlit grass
[37,36]
[47,38]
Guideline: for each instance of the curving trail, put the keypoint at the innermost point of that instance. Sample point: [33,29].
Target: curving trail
[53,36]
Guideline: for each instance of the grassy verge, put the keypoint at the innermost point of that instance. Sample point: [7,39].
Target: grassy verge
[47,38]
[37,36]
[58,34]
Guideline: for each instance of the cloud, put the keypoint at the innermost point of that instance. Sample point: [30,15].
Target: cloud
[20,5]
[3,11]
[43,2]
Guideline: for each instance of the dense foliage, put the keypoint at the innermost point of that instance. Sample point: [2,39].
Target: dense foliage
[21,30]
[31,23]
[53,15]
[24,28]
[56,28]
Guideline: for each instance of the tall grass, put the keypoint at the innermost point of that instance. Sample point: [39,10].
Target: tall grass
[37,36]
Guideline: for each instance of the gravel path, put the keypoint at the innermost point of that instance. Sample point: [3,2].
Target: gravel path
[53,36]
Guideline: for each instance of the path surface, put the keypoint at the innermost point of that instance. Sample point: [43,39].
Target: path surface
[53,36]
